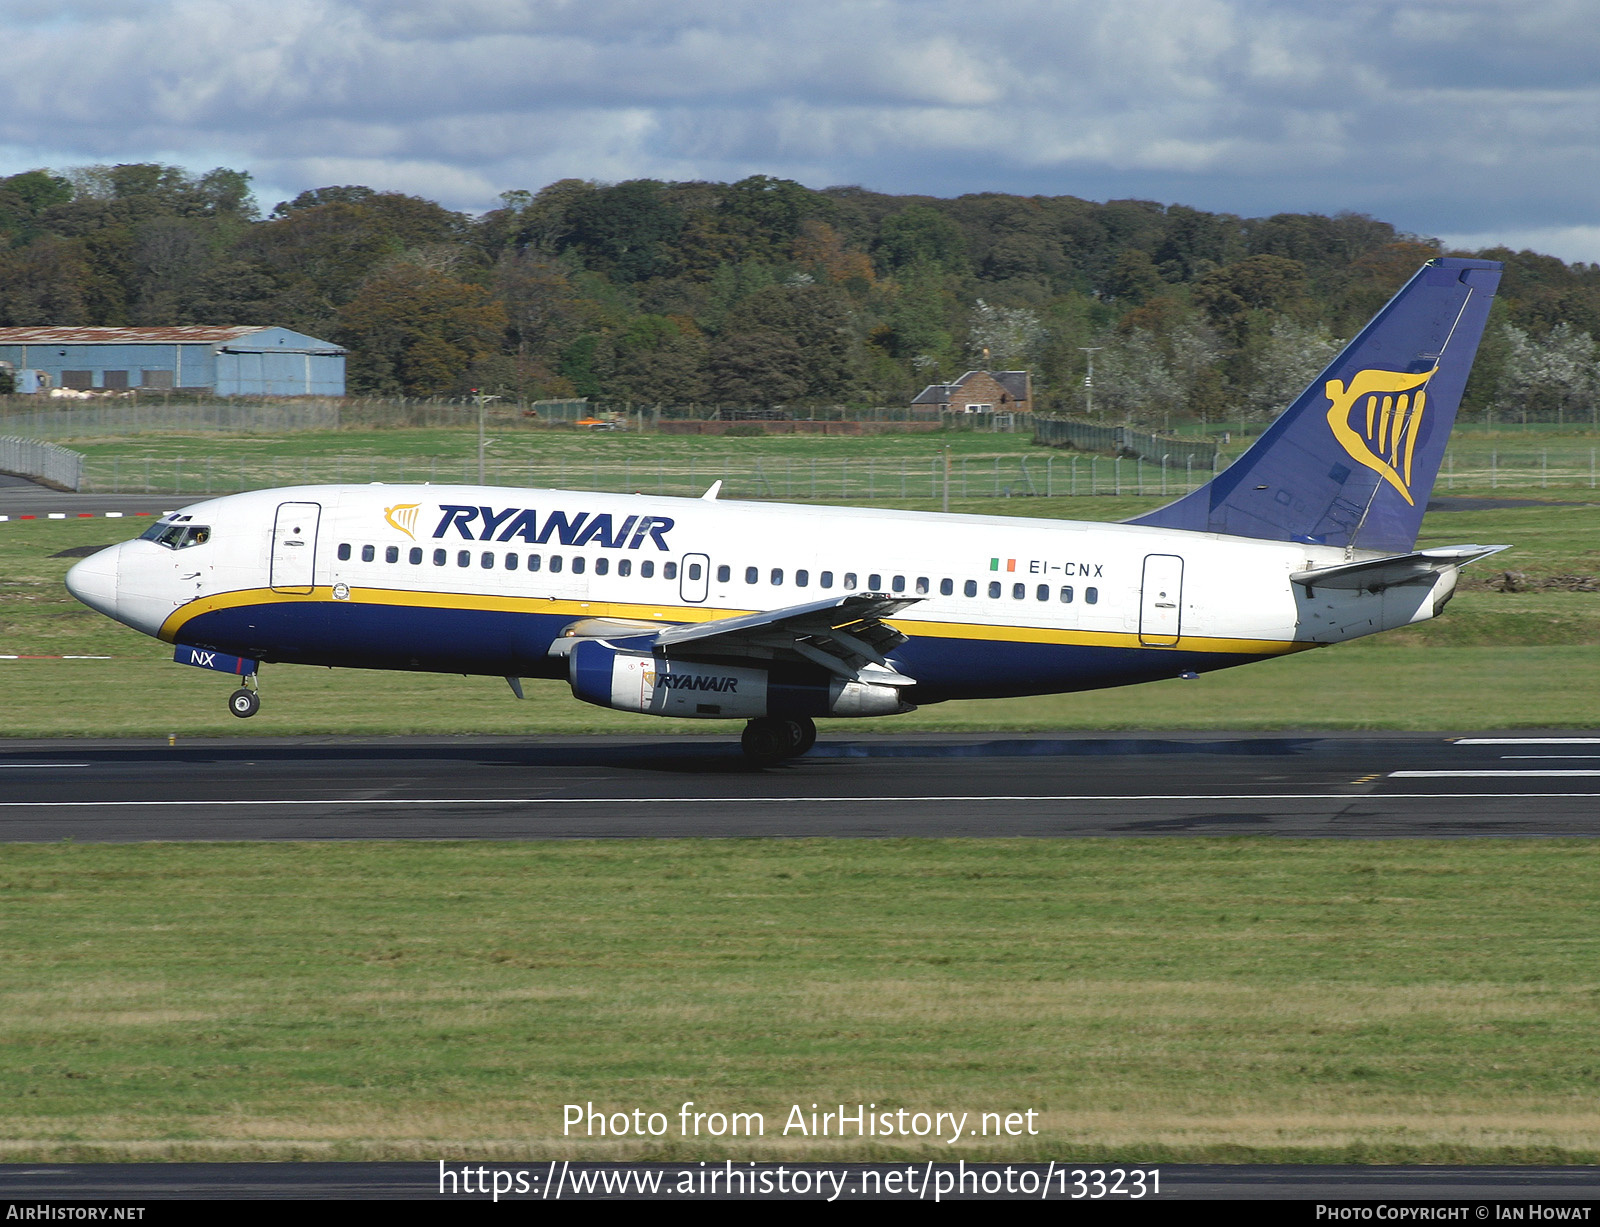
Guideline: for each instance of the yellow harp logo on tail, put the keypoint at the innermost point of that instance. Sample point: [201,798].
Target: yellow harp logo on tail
[403,516]
[1377,419]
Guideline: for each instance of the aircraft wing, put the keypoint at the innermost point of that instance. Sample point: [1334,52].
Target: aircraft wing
[846,635]
[1376,574]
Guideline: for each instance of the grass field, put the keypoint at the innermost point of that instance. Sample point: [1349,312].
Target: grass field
[865,468]
[1153,1000]
[1193,999]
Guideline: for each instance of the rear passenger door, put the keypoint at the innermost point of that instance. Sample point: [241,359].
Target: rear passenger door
[1161,601]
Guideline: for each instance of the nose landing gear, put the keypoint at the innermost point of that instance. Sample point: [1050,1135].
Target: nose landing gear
[769,740]
[245,702]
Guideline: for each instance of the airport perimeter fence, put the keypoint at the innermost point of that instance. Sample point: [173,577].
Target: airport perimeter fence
[1044,475]
[125,417]
[128,416]
[1098,437]
[802,480]
[56,466]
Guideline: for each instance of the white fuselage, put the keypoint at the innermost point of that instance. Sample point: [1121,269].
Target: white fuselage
[485,579]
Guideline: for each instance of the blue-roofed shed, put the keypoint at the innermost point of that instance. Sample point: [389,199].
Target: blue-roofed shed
[229,361]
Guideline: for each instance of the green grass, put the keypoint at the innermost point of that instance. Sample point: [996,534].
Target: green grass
[864,468]
[1495,660]
[1194,1000]
[1158,1001]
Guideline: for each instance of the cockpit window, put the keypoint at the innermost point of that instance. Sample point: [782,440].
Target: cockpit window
[176,536]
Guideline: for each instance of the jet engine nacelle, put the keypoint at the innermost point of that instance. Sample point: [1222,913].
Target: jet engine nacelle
[639,682]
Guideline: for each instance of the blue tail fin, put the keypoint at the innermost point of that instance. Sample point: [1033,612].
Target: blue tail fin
[1351,462]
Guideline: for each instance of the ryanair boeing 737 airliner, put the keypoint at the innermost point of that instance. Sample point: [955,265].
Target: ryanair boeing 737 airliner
[777,614]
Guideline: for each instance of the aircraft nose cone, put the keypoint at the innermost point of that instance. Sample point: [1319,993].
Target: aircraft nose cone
[94,581]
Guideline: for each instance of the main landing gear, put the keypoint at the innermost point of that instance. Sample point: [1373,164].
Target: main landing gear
[245,702]
[770,739]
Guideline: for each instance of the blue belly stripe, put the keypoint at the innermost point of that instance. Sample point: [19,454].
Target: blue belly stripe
[499,643]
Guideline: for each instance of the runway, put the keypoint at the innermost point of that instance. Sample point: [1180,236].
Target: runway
[24,499]
[870,786]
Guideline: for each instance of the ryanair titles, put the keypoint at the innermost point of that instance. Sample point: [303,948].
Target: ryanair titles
[489,524]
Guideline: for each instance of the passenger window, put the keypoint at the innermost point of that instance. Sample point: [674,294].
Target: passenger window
[1019,591]
[826,579]
[802,578]
[646,570]
[994,590]
[416,555]
[625,568]
[392,554]
[669,570]
[922,585]
[777,575]
[602,565]
[487,561]
[850,581]
[439,558]
[752,575]
[511,562]
[368,553]
[1091,595]
[1066,594]
[899,583]
[534,562]
[579,562]
[464,558]
[344,552]
[947,587]
[555,564]
[970,588]
[875,583]
[1044,592]
[724,574]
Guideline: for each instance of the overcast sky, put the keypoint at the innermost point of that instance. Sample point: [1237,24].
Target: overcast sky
[1477,121]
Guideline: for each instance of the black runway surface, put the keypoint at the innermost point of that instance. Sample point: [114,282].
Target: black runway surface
[871,786]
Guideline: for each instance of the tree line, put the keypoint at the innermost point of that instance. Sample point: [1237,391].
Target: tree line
[767,293]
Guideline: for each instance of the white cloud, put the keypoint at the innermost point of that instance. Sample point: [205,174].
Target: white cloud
[1458,115]
[1571,243]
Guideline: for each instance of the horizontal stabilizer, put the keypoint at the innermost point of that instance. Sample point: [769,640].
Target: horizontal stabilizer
[1376,574]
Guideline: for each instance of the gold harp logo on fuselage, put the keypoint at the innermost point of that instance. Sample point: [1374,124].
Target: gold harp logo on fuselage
[1377,420]
[403,516]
